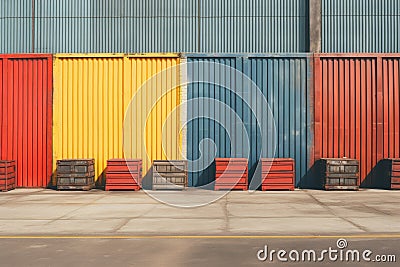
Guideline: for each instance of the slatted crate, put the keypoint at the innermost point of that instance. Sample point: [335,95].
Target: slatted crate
[7,175]
[231,174]
[124,174]
[389,174]
[75,174]
[170,175]
[277,174]
[339,173]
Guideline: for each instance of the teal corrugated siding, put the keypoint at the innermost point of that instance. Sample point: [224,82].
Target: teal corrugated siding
[285,81]
[15,26]
[360,26]
[254,26]
[126,26]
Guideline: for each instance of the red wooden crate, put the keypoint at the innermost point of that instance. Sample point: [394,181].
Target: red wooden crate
[231,174]
[124,174]
[7,175]
[277,174]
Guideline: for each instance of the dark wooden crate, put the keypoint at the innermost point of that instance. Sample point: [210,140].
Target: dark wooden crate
[388,174]
[231,174]
[123,174]
[278,174]
[71,166]
[169,175]
[75,183]
[7,175]
[339,173]
[75,174]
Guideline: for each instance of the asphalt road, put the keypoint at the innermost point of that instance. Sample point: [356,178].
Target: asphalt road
[221,251]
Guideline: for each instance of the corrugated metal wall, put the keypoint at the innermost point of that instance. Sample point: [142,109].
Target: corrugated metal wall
[115,26]
[125,26]
[360,26]
[26,116]
[286,82]
[16,26]
[357,109]
[91,95]
[254,26]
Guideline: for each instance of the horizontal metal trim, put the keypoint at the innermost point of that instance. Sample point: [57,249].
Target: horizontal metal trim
[118,55]
[238,55]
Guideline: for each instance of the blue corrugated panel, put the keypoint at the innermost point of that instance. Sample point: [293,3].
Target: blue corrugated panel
[286,83]
[254,26]
[128,26]
[124,26]
[360,26]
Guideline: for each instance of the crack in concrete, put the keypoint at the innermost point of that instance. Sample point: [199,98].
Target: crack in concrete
[117,228]
[226,214]
[380,211]
[68,213]
[336,215]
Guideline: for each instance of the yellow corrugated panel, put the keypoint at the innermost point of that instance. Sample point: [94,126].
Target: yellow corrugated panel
[91,97]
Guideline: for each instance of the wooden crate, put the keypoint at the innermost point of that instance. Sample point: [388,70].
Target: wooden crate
[339,173]
[231,174]
[7,175]
[75,174]
[124,174]
[169,175]
[388,176]
[278,174]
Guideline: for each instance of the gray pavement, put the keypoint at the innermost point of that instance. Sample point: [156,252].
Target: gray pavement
[96,228]
[187,252]
[302,212]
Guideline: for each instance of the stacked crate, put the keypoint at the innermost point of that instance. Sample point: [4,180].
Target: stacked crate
[277,174]
[389,178]
[7,175]
[231,174]
[340,173]
[170,174]
[124,174]
[75,174]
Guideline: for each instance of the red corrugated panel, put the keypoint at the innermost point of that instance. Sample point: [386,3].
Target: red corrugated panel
[277,174]
[231,174]
[357,108]
[124,174]
[26,116]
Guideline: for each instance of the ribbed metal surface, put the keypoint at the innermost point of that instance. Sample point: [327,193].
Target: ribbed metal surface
[360,26]
[126,26]
[15,26]
[286,82]
[91,95]
[357,107]
[116,26]
[254,26]
[26,116]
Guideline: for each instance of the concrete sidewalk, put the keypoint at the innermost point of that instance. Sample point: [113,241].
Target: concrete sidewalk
[302,212]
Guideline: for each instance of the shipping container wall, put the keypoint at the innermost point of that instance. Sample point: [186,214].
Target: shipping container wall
[360,26]
[125,26]
[285,81]
[357,109]
[91,96]
[255,26]
[16,26]
[115,26]
[26,84]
